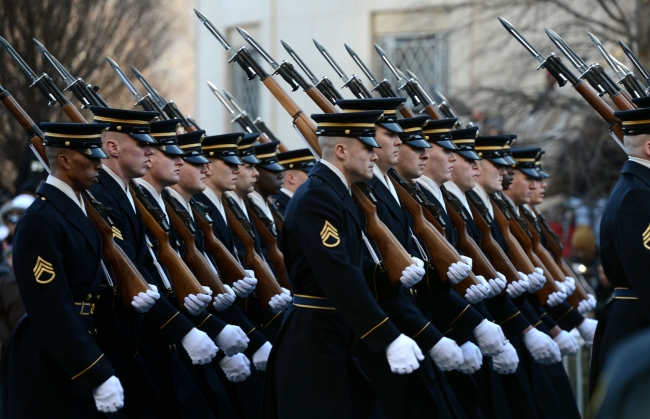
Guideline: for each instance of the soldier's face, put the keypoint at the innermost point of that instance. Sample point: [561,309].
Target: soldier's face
[465,173]
[508,177]
[388,154]
[84,171]
[191,177]
[412,162]
[246,179]
[521,189]
[135,156]
[221,176]
[268,182]
[538,194]
[491,176]
[165,168]
[440,165]
[359,162]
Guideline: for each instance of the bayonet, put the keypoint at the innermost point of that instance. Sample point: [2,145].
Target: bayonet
[253,43]
[238,115]
[644,72]
[608,58]
[353,83]
[160,101]
[145,101]
[258,125]
[310,75]
[383,87]
[625,77]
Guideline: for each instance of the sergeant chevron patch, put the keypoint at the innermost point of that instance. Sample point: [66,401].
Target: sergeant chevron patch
[646,238]
[329,233]
[117,233]
[43,267]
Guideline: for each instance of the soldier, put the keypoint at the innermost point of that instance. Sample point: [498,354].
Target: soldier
[57,261]
[311,369]
[269,180]
[297,163]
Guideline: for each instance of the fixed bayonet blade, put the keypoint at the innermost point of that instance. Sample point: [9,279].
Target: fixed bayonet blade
[222,99]
[575,59]
[412,75]
[233,101]
[58,67]
[253,43]
[610,60]
[361,65]
[160,101]
[390,65]
[523,41]
[300,63]
[124,79]
[213,29]
[18,60]
[644,73]
[331,61]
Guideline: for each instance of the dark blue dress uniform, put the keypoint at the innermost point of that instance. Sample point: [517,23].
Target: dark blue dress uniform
[301,159]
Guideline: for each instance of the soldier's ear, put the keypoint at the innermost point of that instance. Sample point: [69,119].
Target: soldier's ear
[646,149]
[63,161]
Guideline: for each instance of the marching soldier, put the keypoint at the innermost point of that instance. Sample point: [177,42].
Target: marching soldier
[297,163]
[269,181]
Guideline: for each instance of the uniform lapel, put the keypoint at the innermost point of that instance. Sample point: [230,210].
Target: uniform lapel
[383,194]
[637,170]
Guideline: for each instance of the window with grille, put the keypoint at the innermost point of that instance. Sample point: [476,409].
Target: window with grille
[247,92]
[426,55]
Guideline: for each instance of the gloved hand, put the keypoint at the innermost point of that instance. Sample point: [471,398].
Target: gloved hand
[472,358]
[403,355]
[245,286]
[496,285]
[196,303]
[507,361]
[467,261]
[199,347]
[261,356]
[225,300]
[446,354]
[516,288]
[232,340]
[490,338]
[237,367]
[537,280]
[145,300]
[587,305]
[543,349]
[587,330]
[557,297]
[413,273]
[477,293]
[459,270]
[567,343]
[280,301]
[569,284]
[109,396]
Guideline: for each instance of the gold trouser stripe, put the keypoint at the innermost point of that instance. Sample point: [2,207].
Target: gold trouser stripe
[421,330]
[562,316]
[271,321]
[251,331]
[170,319]
[374,328]
[204,320]
[87,368]
[458,317]
[510,318]
[52,134]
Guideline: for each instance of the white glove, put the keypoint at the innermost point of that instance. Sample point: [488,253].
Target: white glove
[109,396]
[537,280]
[237,367]
[458,271]
[557,297]
[446,354]
[490,338]
[543,349]
[413,273]
[467,260]
[567,343]
[280,301]
[587,305]
[507,361]
[569,284]
[403,355]
[245,286]
[496,285]
[477,293]
[232,340]
[516,288]
[196,303]
[261,356]
[225,300]
[199,347]
[145,300]
[472,358]
[587,330]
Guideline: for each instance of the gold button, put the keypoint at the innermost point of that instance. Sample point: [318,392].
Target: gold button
[42,198]
[119,128]
[67,143]
[426,137]
[347,132]
[89,297]
[212,153]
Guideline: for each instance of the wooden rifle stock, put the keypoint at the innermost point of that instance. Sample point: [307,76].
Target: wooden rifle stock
[263,226]
[320,100]
[623,101]
[433,112]
[267,286]
[394,256]
[601,107]
[180,275]
[193,258]
[230,269]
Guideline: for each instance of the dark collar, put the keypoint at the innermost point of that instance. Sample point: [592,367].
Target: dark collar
[638,170]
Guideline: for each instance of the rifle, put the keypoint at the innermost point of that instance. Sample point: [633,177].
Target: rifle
[353,83]
[278,218]
[268,233]
[440,250]
[147,102]
[267,286]
[554,245]
[129,280]
[199,265]
[231,269]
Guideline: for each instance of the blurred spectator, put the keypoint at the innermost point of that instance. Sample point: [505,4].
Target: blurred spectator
[11,306]
[585,256]
[10,213]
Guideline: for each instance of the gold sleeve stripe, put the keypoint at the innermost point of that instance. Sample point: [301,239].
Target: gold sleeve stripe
[374,328]
[251,331]
[272,320]
[562,316]
[510,318]
[421,330]
[537,324]
[170,319]
[458,317]
[87,368]
[204,320]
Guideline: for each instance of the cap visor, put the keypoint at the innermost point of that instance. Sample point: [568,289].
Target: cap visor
[543,174]
[418,144]
[96,152]
[446,144]
[274,167]
[530,172]
[250,159]
[169,149]
[510,160]
[498,160]
[145,138]
[468,154]
[231,159]
[391,126]
[370,141]
[196,159]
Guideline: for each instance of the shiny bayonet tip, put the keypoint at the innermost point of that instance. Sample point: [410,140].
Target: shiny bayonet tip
[319,46]
[213,30]
[257,47]
[610,60]
[412,74]
[18,59]
[201,16]
[212,86]
[350,50]
[393,69]
[567,51]
[112,62]
[635,60]
[286,46]
[362,65]
[300,63]
[330,60]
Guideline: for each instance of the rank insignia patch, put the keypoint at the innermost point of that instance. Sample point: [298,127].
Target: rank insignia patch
[329,235]
[41,268]
[646,238]
[117,233]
